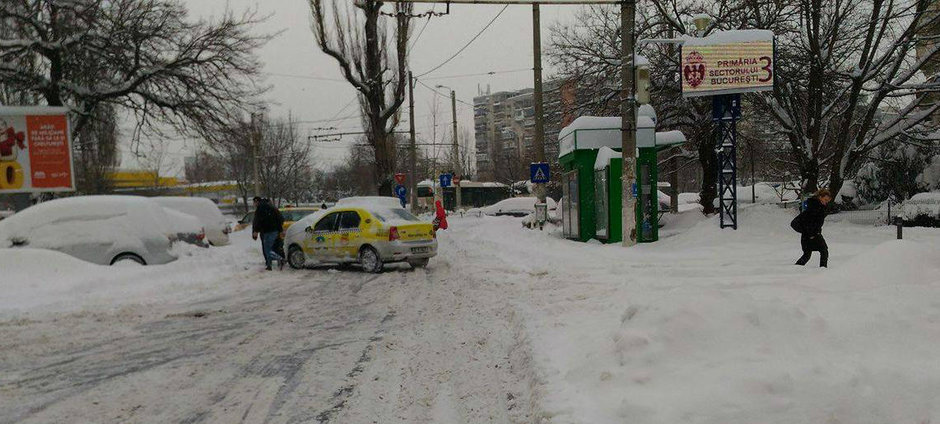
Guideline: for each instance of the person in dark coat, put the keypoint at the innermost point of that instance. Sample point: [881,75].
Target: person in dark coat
[811,221]
[268,223]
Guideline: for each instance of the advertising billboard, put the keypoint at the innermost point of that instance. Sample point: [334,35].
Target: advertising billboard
[728,62]
[35,150]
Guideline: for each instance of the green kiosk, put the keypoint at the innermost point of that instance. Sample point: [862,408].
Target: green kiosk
[592,168]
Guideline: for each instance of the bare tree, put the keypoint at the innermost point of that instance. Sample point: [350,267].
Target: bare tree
[205,166]
[852,80]
[356,35]
[285,162]
[140,56]
[96,151]
[588,55]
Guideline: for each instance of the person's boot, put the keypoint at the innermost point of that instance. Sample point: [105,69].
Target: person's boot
[280,265]
[267,267]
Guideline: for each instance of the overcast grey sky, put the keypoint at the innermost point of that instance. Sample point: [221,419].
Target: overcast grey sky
[506,45]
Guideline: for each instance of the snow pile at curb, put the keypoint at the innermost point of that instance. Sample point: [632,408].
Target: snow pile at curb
[37,281]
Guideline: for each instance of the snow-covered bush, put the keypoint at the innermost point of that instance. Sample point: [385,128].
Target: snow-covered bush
[893,170]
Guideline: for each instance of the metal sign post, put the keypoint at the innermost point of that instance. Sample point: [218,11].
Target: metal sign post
[726,110]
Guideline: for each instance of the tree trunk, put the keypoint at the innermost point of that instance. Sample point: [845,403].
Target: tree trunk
[709,161]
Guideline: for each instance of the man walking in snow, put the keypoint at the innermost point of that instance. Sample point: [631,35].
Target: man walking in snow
[268,223]
[809,223]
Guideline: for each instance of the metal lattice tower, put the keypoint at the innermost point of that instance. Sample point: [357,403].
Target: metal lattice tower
[726,110]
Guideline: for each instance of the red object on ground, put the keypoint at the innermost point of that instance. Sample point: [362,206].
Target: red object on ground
[441,218]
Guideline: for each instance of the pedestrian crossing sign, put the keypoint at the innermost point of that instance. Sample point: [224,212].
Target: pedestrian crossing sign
[539,173]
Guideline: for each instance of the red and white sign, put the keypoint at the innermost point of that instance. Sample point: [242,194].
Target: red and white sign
[728,62]
[35,150]
[400,178]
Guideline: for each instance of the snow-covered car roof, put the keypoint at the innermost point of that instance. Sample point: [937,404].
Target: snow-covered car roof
[379,202]
[204,209]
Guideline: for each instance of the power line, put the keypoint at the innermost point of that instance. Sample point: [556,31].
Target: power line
[468,43]
[480,74]
[441,94]
[412,46]
[309,77]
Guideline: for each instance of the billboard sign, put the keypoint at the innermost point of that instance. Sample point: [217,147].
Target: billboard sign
[35,150]
[728,62]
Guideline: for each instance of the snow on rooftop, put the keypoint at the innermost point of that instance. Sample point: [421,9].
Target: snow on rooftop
[668,138]
[594,132]
[604,156]
[731,37]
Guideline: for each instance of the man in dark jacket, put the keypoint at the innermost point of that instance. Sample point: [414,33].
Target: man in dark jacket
[268,223]
[811,221]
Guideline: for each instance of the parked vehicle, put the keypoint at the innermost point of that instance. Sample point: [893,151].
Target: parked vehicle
[294,214]
[922,210]
[216,226]
[245,222]
[186,228]
[514,206]
[98,229]
[371,236]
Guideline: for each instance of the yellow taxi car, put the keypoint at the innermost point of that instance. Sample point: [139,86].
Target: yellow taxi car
[293,214]
[371,236]
[290,214]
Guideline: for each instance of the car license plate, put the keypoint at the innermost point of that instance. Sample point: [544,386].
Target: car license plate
[419,250]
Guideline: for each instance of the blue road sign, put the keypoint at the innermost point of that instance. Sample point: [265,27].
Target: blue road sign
[401,191]
[539,173]
[445,180]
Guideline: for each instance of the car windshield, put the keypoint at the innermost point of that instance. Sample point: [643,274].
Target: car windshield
[295,214]
[387,214]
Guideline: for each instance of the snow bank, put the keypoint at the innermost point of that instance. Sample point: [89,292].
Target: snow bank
[37,281]
[921,204]
[719,326]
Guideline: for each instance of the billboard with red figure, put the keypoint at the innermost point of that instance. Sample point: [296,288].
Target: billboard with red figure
[35,150]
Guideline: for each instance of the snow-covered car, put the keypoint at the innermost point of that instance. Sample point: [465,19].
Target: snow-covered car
[98,229]
[370,236]
[186,228]
[217,228]
[922,210]
[515,206]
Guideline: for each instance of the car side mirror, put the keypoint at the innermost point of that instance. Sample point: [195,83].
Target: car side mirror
[368,221]
[308,229]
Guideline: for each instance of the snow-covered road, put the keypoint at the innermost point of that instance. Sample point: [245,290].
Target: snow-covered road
[300,346]
[507,326]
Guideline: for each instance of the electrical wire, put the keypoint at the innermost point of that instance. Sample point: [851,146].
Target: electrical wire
[468,43]
[308,77]
[480,74]
[441,94]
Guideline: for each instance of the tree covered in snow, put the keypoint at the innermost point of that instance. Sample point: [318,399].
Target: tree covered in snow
[589,55]
[145,57]
[892,170]
[374,60]
[852,75]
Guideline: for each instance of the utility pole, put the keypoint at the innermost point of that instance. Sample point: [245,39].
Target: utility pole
[255,140]
[456,167]
[412,179]
[538,141]
[628,112]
